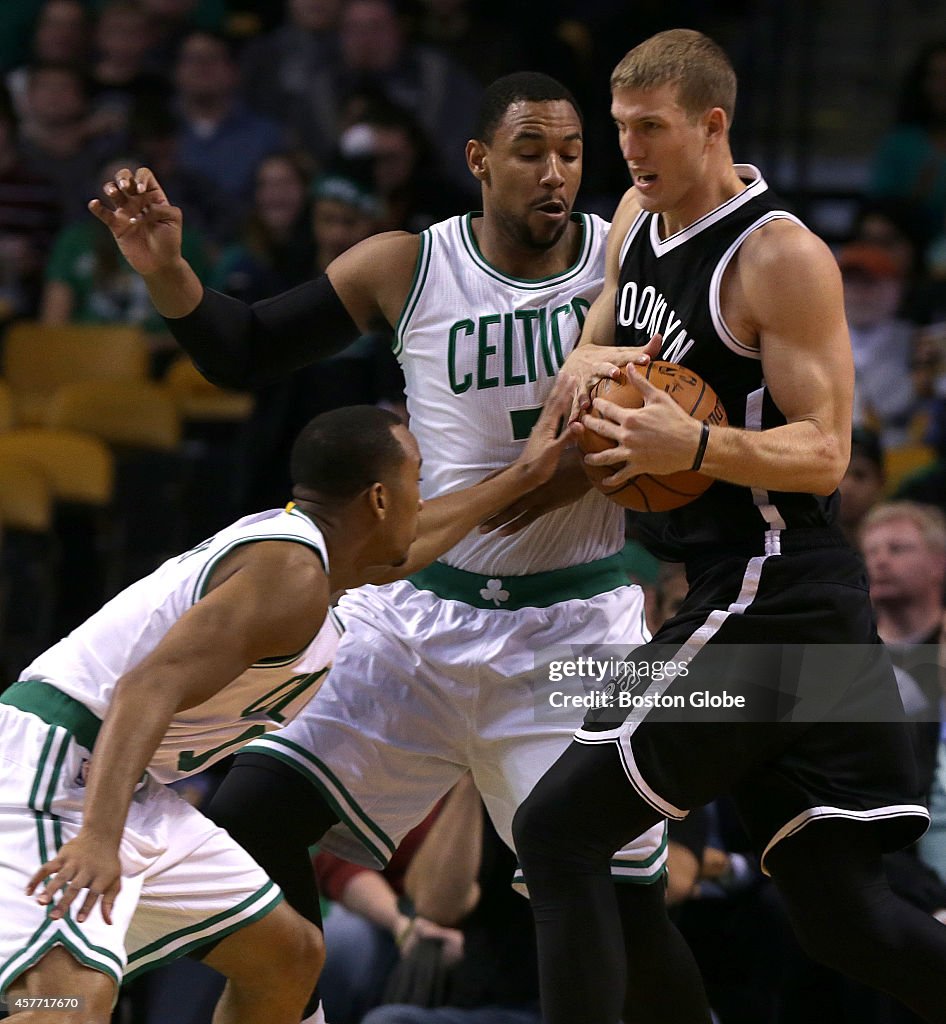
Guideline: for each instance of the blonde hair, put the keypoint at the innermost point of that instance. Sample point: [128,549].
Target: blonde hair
[928,519]
[693,62]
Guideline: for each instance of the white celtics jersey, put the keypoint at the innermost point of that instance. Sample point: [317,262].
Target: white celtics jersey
[480,351]
[87,663]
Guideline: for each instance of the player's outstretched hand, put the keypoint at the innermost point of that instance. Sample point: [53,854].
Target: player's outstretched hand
[551,434]
[85,863]
[145,225]
[550,440]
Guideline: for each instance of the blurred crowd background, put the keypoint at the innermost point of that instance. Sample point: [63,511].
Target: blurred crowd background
[288,130]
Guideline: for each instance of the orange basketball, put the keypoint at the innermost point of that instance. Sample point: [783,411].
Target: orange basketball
[649,492]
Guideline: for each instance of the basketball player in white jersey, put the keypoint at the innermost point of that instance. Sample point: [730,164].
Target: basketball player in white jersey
[435,674]
[219,645]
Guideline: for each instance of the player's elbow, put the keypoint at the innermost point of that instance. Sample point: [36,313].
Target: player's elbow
[830,465]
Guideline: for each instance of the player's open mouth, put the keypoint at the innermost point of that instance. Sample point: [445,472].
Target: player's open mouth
[644,181]
[552,209]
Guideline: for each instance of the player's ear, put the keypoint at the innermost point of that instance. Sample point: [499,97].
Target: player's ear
[378,500]
[716,123]
[477,160]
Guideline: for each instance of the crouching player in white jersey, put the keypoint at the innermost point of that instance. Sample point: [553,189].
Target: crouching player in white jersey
[435,675]
[218,646]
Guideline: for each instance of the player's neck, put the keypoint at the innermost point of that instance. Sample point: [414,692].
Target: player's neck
[514,259]
[715,189]
[345,557]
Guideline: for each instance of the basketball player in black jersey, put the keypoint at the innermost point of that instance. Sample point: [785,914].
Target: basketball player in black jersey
[705,264]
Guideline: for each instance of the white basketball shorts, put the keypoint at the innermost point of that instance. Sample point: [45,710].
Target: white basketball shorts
[184,880]
[424,688]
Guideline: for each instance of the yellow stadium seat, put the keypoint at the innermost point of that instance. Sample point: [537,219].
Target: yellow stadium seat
[79,468]
[26,499]
[125,413]
[6,406]
[39,358]
[198,399]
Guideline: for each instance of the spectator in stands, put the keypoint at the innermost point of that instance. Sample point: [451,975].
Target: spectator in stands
[61,36]
[29,220]
[904,547]
[276,250]
[56,138]
[375,53]
[863,482]
[121,74]
[343,213]
[910,162]
[483,971]
[219,137]
[479,43]
[392,151]
[154,136]
[873,289]
[280,67]
[895,225]
[367,929]
[173,20]
[926,484]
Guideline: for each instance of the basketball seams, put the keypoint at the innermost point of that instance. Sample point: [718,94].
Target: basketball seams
[699,398]
[648,492]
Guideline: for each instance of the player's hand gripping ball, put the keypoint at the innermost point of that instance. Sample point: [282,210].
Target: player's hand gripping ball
[648,492]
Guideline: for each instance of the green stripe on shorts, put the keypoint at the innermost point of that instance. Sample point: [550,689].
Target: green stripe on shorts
[212,929]
[373,838]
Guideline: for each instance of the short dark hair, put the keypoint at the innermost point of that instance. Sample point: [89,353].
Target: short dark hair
[341,453]
[519,87]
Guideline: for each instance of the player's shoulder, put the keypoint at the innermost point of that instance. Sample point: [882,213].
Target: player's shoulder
[781,244]
[391,243]
[627,212]
[284,562]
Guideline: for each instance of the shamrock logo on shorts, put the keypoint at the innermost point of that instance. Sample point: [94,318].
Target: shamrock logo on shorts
[493,591]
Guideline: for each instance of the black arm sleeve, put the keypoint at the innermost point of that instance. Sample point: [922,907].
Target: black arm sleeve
[240,346]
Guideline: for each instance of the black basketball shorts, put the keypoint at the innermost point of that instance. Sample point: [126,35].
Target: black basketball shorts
[769,684]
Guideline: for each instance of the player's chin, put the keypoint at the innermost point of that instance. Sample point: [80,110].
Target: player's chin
[547,236]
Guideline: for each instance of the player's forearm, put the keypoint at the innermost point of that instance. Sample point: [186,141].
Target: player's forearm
[444,521]
[175,290]
[134,726]
[796,457]
[242,346]
[442,877]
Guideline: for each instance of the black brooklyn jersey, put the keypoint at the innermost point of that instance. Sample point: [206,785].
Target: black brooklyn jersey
[671,286]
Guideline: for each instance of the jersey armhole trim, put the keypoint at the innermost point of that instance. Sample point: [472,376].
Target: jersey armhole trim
[723,331]
[631,233]
[421,268]
[200,586]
